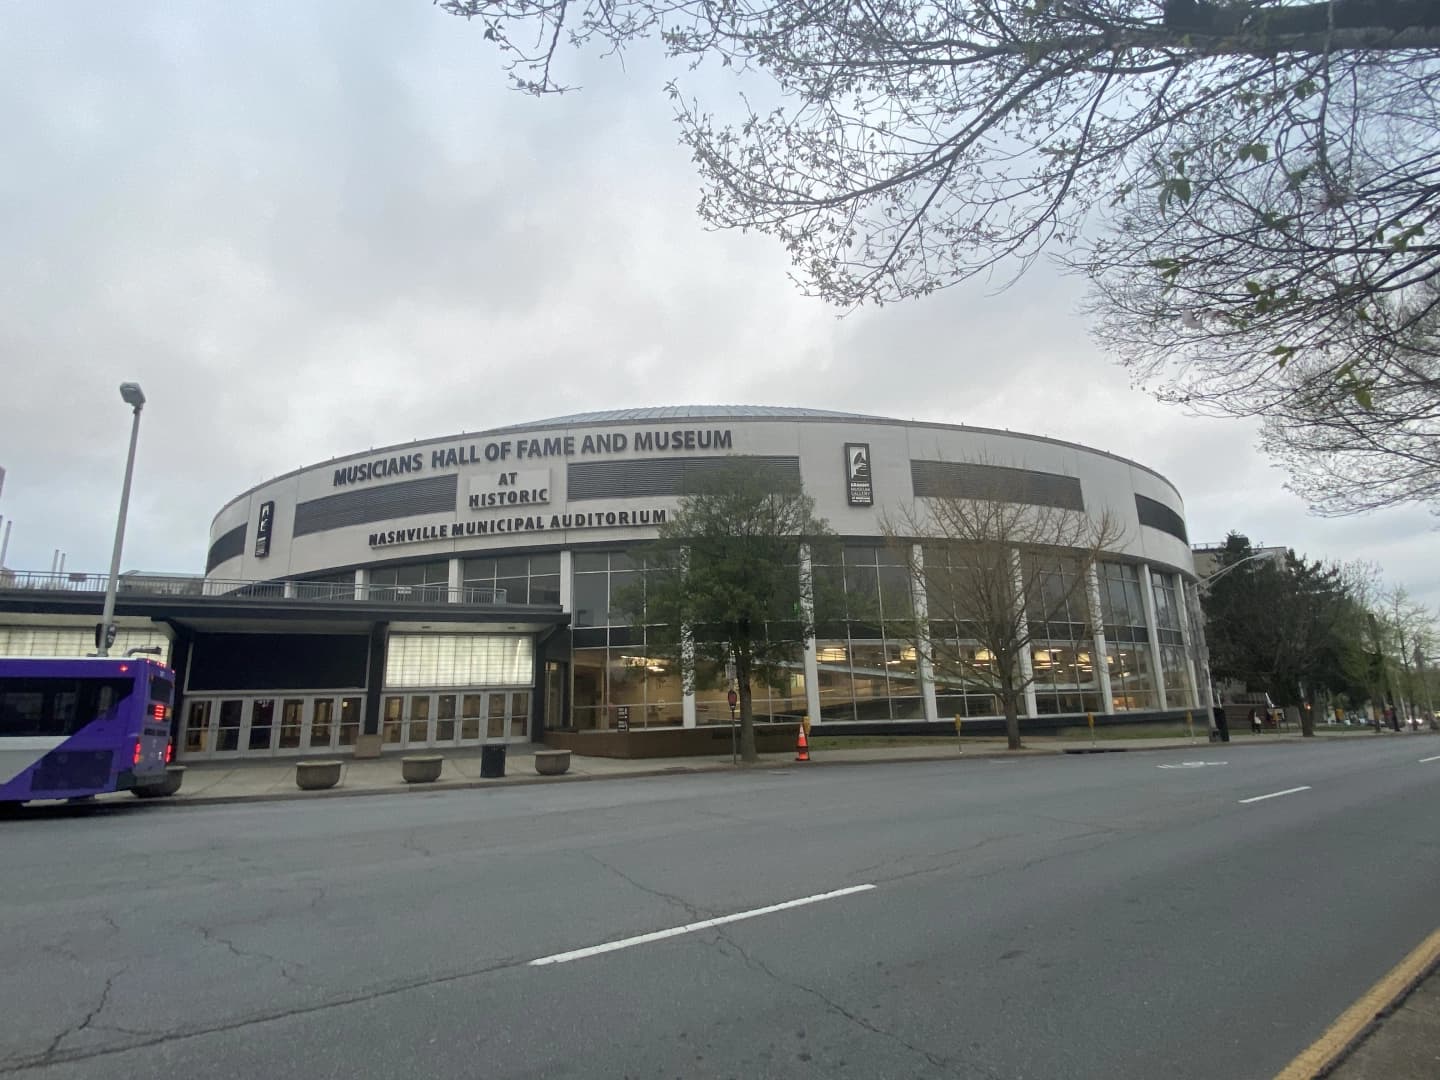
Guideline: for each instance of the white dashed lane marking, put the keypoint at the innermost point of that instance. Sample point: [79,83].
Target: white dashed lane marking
[1276,794]
[690,928]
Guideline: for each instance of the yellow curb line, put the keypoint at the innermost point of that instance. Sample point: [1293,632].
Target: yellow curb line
[1325,1052]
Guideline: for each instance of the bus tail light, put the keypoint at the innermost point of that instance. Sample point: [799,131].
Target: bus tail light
[158,710]
[169,752]
[137,753]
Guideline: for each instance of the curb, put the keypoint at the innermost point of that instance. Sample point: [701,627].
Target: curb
[685,770]
[1367,1015]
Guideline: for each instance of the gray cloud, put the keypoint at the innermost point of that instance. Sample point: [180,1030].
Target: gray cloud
[310,229]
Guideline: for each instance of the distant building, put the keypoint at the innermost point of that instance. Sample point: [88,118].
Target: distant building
[1207,557]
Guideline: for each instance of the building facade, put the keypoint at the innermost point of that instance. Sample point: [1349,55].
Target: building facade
[553,517]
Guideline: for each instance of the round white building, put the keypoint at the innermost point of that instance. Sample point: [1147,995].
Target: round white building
[521,523]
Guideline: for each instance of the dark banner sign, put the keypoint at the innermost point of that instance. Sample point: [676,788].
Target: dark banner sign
[859,491]
[263,529]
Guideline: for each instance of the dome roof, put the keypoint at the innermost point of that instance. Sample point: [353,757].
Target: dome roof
[691,412]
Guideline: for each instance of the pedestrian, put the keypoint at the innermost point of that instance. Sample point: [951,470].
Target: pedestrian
[1394,719]
[1254,721]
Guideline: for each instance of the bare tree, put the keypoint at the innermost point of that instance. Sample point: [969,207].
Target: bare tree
[999,577]
[1251,186]
[1407,633]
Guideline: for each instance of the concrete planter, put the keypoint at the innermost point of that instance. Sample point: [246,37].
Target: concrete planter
[174,777]
[552,762]
[421,769]
[317,775]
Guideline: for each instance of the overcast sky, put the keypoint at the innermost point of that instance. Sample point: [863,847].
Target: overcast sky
[308,229]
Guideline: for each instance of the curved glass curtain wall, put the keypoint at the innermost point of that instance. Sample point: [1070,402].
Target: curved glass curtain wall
[866,662]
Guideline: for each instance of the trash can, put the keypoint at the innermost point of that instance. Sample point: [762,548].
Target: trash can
[492,761]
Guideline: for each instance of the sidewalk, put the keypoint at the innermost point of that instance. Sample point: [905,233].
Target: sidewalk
[1405,1044]
[223,782]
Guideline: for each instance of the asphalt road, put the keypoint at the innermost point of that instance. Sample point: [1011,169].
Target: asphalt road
[1037,918]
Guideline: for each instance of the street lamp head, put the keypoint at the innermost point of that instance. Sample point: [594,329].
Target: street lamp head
[132,394]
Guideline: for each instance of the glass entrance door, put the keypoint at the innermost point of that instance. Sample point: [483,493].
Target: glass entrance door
[447,727]
[444,718]
[257,727]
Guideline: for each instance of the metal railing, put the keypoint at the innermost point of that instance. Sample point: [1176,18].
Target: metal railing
[195,585]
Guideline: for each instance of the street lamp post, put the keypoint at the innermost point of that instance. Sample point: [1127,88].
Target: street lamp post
[134,397]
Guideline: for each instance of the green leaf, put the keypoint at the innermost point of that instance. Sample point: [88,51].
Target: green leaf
[1283,353]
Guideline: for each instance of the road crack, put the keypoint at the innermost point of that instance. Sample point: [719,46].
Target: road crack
[89,1018]
[213,937]
[840,1010]
[695,913]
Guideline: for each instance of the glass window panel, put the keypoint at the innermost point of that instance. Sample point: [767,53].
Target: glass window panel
[495,717]
[872,692]
[321,723]
[470,716]
[292,713]
[47,641]
[835,687]
[197,727]
[262,720]
[512,566]
[625,682]
[592,600]
[519,714]
[620,580]
[896,603]
[350,712]
[548,563]
[590,561]
[392,712]
[445,718]
[516,589]
[545,589]
[588,674]
[478,572]
[419,719]
[227,733]
[441,660]
[860,555]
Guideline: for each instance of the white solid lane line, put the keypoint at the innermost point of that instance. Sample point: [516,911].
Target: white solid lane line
[1276,794]
[690,928]
[1423,760]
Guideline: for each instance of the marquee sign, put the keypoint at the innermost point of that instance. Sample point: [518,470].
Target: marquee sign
[859,490]
[264,528]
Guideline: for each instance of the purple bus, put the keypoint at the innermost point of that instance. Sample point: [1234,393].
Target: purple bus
[70,729]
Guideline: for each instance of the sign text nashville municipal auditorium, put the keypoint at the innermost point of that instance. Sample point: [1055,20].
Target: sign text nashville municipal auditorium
[599,519]
[676,440]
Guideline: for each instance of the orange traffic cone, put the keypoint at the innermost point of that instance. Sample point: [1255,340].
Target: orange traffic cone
[802,746]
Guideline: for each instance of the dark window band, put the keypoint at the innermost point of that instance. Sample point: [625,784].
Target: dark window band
[432,495]
[228,546]
[1159,516]
[659,476]
[968,480]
